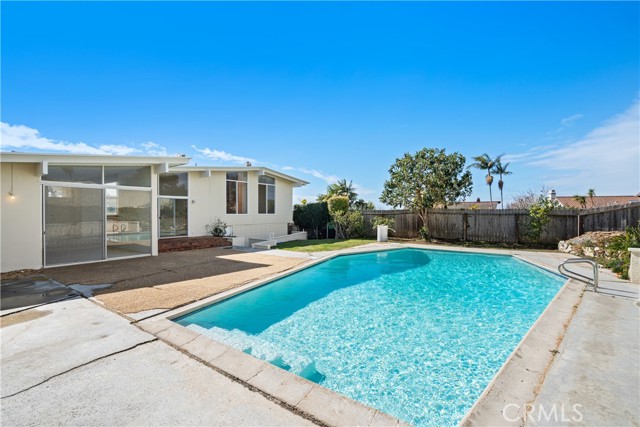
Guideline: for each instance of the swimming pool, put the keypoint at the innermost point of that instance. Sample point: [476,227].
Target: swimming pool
[415,333]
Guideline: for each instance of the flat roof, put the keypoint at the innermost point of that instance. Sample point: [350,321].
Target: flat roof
[173,163]
[73,159]
[262,169]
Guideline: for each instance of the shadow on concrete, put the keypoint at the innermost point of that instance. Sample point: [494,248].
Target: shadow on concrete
[145,272]
[30,291]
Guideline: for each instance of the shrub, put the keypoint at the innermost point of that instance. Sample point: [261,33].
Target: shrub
[424,232]
[539,218]
[338,204]
[347,223]
[217,228]
[619,258]
[311,217]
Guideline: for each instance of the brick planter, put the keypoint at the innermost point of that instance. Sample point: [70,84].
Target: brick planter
[175,244]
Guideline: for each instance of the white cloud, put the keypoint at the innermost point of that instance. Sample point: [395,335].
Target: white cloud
[223,156]
[118,150]
[26,138]
[154,149]
[568,121]
[607,158]
[329,179]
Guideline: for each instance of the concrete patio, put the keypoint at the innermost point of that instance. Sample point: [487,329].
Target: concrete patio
[73,362]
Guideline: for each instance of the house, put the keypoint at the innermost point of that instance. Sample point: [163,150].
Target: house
[478,204]
[569,202]
[67,209]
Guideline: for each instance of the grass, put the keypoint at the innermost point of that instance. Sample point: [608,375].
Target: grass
[322,244]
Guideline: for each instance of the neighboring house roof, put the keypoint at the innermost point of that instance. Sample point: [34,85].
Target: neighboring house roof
[261,170]
[598,201]
[473,205]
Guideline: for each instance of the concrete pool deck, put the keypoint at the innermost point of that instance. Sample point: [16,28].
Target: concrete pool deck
[110,373]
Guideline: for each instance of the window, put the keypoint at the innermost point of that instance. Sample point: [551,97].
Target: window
[83,174]
[236,192]
[173,204]
[130,176]
[127,176]
[266,195]
[174,184]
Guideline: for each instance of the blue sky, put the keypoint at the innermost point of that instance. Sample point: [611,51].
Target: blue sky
[325,91]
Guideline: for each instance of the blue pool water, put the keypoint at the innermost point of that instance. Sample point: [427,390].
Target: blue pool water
[415,333]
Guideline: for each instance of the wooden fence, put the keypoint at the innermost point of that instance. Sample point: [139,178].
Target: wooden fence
[506,226]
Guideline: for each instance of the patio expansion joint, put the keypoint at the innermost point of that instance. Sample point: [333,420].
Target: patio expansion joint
[81,366]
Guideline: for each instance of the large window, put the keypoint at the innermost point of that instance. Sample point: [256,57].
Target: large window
[83,174]
[236,192]
[173,204]
[129,176]
[124,176]
[266,195]
[174,184]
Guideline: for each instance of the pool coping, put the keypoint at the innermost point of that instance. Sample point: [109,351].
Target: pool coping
[328,407]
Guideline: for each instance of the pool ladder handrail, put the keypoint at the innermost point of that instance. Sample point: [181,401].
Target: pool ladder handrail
[593,281]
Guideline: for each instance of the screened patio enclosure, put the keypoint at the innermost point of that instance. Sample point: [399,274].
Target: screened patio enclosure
[93,213]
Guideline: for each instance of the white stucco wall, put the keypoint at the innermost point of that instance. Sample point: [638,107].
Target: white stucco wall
[208,201]
[20,218]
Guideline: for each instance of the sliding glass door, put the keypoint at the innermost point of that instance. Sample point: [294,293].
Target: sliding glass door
[74,224]
[173,216]
[128,222]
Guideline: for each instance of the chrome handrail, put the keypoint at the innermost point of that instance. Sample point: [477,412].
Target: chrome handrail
[572,274]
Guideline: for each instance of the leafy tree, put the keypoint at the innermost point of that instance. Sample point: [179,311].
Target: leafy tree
[347,223]
[340,188]
[425,179]
[501,170]
[484,162]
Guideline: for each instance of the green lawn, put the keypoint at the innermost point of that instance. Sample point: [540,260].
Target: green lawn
[322,244]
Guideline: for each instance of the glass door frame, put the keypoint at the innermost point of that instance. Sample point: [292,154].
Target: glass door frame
[186,199]
[102,187]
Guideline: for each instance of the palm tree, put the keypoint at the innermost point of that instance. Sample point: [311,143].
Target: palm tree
[591,193]
[340,188]
[581,199]
[501,170]
[484,162]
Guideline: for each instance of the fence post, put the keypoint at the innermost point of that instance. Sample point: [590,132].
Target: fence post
[579,225]
[516,229]
[464,226]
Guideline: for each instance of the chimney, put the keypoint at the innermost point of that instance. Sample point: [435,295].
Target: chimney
[551,195]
